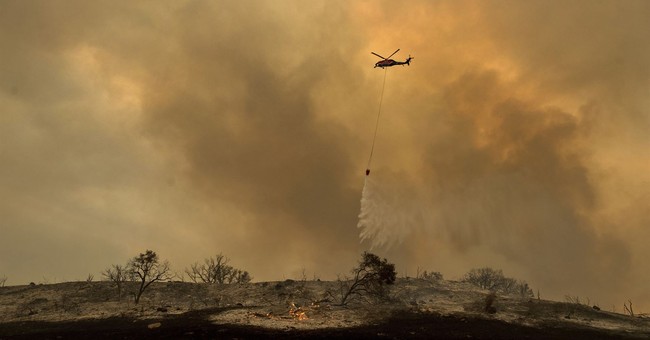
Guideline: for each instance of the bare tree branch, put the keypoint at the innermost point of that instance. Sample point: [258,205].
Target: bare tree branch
[217,270]
[118,275]
[369,277]
[148,269]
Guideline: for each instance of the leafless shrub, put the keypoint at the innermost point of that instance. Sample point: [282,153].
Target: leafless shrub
[90,278]
[240,276]
[525,291]
[3,280]
[573,300]
[485,278]
[627,307]
[118,275]
[180,277]
[31,307]
[300,291]
[146,269]
[303,275]
[431,276]
[217,270]
[489,303]
[369,278]
[509,285]
[67,304]
[494,280]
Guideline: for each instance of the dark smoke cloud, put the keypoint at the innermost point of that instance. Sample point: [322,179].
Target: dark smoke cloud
[510,176]
[517,137]
[246,125]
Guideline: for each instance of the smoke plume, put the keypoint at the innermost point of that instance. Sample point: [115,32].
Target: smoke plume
[517,138]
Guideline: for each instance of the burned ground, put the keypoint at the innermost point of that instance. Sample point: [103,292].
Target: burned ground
[415,308]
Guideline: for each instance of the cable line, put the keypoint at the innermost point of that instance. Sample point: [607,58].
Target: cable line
[374,138]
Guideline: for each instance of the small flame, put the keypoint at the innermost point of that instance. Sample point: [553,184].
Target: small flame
[297,312]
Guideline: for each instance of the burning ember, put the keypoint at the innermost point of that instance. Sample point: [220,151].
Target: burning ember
[297,312]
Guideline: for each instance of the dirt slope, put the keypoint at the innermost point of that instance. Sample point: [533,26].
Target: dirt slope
[415,308]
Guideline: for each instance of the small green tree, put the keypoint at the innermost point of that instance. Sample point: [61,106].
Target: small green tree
[369,278]
[146,269]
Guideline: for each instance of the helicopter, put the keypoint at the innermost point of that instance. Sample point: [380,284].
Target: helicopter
[385,62]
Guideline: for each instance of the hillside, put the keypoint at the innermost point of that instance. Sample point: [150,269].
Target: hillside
[416,308]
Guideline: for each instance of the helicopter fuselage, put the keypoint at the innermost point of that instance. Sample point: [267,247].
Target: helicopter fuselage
[391,62]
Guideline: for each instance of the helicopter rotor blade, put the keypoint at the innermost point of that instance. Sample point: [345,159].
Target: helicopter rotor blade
[393,53]
[378,55]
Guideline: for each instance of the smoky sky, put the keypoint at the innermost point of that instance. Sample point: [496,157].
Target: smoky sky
[516,139]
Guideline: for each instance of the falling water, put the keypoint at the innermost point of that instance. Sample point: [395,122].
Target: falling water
[389,211]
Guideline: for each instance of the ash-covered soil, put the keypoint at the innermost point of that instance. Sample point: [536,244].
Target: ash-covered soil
[414,308]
